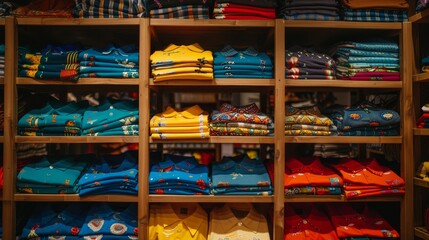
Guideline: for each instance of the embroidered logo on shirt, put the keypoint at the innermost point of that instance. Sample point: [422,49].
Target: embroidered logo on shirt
[96,224]
[387,115]
[118,228]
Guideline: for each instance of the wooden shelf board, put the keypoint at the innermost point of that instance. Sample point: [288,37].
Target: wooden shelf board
[77,139]
[77,21]
[217,82]
[1,80]
[421,232]
[222,139]
[420,182]
[340,198]
[343,139]
[81,81]
[210,198]
[211,23]
[420,17]
[72,198]
[421,77]
[342,24]
[421,131]
[2,21]
[343,84]
[1,139]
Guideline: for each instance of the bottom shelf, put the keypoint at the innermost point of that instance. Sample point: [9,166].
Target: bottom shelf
[421,232]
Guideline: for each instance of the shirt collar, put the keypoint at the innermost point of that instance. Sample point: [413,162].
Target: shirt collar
[229,51]
[251,221]
[241,160]
[192,222]
[310,217]
[194,48]
[349,165]
[58,162]
[375,168]
[249,109]
[306,164]
[67,215]
[182,163]
[124,161]
[103,210]
[190,112]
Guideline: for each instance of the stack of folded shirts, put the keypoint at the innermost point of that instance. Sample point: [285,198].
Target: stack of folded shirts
[333,150]
[30,150]
[364,120]
[240,175]
[53,221]
[109,9]
[422,5]
[6,7]
[45,8]
[53,174]
[114,174]
[368,178]
[248,63]
[58,65]
[308,176]
[185,9]
[423,120]
[327,10]
[110,221]
[185,62]
[190,123]
[306,121]
[375,11]
[246,120]
[112,118]
[110,62]
[425,64]
[2,60]
[245,9]
[423,171]
[358,221]
[179,175]
[367,60]
[308,64]
[54,119]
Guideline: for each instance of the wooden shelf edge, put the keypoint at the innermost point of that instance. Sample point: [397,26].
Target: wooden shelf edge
[340,198]
[343,139]
[421,182]
[421,77]
[1,139]
[343,83]
[222,139]
[421,232]
[77,139]
[2,80]
[72,198]
[422,16]
[342,24]
[211,23]
[421,131]
[81,81]
[210,198]
[48,21]
[227,82]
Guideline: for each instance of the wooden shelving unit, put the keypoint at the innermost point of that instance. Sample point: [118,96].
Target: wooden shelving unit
[154,34]
[421,232]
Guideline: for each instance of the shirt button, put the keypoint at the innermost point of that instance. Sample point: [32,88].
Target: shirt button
[304,221]
[179,230]
[240,224]
[51,167]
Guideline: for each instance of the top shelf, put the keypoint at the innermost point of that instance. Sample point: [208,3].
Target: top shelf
[342,24]
[77,21]
[421,17]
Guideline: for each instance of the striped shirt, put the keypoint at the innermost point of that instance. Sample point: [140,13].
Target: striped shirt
[109,8]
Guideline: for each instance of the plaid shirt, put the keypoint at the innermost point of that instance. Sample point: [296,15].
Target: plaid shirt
[109,8]
[319,17]
[182,12]
[374,15]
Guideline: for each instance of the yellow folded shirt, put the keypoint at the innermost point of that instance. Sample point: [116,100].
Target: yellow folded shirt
[184,76]
[192,116]
[189,129]
[181,65]
[181,70]
[181,54]
[180,135]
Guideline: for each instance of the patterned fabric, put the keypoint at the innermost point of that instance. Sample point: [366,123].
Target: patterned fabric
[236,131]
[306,133]
[374,15]
[249,113]
[109,8]
[182,12]
[309,190]
[309,116]
[313,16]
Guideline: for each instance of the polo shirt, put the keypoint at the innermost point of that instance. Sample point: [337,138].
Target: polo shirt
[190,129]
[125,55]
[237,222]
[307,116]
[249,113]
[305,221]
[183,65]
[54,170]
[230,56]
[180,135]
[174,54]
[181,173]
[192,116]
[177,70]
[309,171]
[48,222]
[184,76]
[359,221]
[240,171]
[103,219]
[178,221]
[129,65]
